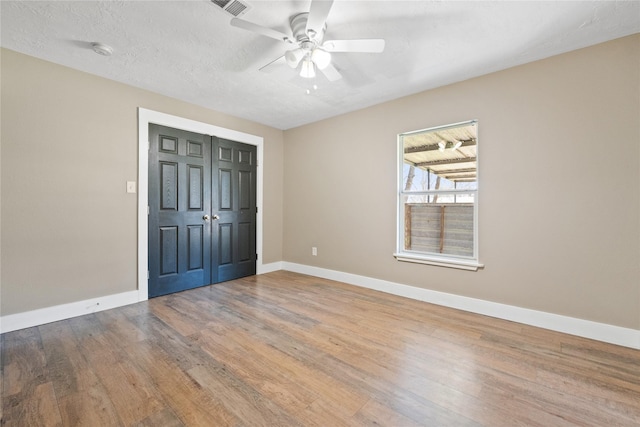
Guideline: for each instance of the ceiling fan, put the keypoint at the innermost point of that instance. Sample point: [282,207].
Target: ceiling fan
[309,49]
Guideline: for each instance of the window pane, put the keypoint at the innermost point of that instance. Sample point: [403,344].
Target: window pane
[443,224]
[416,179]
[440,158]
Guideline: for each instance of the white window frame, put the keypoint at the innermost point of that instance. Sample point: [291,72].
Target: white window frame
[460,262]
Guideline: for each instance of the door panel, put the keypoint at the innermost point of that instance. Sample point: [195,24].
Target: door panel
[195,237]
[244,190]
[226,190]
[196,185]
[225,246]
[169,250]
[244,241]
[179,200]
[168,186]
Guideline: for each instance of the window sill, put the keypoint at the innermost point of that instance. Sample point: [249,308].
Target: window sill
[439,261]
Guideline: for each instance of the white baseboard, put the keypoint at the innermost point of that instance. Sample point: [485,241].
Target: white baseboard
[13,322]
[268,268]
[569,325]
[27,319]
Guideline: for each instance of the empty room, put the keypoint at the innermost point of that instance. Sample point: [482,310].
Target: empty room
[320,213]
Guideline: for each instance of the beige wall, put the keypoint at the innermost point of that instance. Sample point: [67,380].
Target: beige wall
[69,144]
[559,204]
[559,184]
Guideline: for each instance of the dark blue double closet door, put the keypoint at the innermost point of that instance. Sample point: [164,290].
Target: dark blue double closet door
[202,210]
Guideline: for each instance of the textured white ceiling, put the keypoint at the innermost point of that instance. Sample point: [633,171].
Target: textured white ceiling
[188,50]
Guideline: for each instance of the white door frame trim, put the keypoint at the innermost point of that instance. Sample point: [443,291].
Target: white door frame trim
[149,116]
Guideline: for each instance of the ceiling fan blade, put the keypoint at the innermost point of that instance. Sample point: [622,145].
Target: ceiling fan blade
[360,46]
[272,65]
[318,12]
[259,29]
[331,73]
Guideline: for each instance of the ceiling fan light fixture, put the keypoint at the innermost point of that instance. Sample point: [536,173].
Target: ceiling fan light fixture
[293,57]
[308,69]
[321,58]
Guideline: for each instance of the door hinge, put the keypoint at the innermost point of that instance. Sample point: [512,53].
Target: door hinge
[147,274]
[148,210]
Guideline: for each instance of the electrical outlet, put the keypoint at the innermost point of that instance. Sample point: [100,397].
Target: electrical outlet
[314,251]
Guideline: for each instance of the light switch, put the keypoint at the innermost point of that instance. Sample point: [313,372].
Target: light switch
[131,186]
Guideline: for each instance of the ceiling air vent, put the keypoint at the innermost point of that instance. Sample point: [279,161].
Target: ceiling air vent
[232,7]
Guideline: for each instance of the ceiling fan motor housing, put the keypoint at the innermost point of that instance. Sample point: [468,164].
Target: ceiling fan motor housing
[308,41]
[298,25]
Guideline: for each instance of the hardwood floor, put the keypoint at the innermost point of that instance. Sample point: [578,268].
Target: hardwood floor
[284,349]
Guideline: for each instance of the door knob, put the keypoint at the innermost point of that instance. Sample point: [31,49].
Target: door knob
[206,217]
[216,217]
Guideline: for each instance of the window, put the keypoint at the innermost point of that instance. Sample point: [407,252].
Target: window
[438,196]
